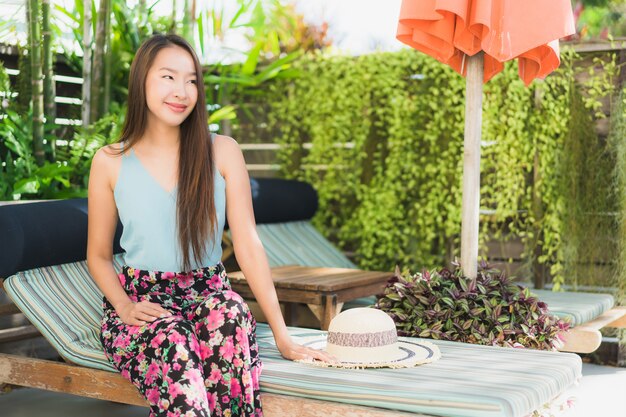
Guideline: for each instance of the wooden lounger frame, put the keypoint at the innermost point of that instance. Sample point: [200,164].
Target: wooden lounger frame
[111,386]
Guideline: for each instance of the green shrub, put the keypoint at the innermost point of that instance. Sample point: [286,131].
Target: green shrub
[489,310]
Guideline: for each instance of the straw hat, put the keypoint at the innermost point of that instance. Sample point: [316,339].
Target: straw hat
[367,338]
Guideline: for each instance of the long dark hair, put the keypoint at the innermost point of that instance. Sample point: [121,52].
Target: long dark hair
[195,206]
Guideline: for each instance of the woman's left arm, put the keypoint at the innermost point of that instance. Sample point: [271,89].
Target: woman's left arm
[249,250]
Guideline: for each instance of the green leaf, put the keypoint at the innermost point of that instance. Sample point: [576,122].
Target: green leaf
[26,186]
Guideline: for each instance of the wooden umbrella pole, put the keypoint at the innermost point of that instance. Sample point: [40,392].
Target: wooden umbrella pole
[471,165]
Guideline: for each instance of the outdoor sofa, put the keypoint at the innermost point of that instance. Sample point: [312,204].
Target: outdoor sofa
[43,263]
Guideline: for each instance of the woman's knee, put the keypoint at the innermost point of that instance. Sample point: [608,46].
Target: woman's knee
[224,310]
[175,333]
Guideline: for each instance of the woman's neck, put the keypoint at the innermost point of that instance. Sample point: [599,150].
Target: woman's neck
[159,135]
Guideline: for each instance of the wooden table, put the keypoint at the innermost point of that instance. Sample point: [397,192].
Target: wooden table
[323,290]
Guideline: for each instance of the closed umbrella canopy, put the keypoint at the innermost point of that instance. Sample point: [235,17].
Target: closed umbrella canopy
[475,37]
[451,30]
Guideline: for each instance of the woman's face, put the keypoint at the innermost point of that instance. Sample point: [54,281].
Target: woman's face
[171,90]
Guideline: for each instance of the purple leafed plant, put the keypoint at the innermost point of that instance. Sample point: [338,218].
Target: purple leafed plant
[488,310]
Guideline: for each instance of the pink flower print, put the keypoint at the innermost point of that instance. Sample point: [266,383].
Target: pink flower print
[168,275]
[246,378]
[165,369]
[215,376]
[134,272]
[232,295]
[121,341]
[241,334]
[175,390]
[225,399]
[176,366]
[157,340]
[194,376]
[175,413]
[212,399]
[152,395]
[205,350]
[125,373]
[216,339]
[122,279]
[256,375]
[194,392]
[216,281]
[233,312]
[133,330]
[214,320]
[163,404]
[238,363]
[194,346]
[235,388]
[176,338]
[227,351]
[153,373]
[185,281]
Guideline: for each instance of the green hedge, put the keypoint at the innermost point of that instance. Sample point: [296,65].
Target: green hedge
[394,197]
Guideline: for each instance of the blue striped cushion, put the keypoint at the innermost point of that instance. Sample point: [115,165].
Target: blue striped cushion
[576,307]
[469,380]
[64,303]
[299,243]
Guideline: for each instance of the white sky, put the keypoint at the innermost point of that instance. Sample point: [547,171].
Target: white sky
[356,26]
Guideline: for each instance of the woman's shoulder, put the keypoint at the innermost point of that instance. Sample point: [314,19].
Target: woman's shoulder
[226,149]
[223,141]
[106,162]
[111,151]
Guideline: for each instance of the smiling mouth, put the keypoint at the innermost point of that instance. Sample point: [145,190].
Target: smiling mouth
[177,108]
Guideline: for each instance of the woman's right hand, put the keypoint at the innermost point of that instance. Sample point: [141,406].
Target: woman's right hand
[143,312]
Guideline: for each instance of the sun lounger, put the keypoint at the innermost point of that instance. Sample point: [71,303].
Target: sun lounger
[290,239]
[43,259]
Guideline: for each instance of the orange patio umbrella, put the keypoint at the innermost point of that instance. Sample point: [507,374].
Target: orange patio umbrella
[475,37]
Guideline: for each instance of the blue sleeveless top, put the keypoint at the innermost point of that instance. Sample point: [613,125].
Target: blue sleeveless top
[148,213]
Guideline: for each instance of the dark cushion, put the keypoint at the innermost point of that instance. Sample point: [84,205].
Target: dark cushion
[35,235]
[277,200]
[43,234]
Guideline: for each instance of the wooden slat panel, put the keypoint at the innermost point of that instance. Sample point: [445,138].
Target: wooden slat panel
[275,405]
[371,278]
[70,379]
[18,333]
[284,294]
[358,292]
[111,386]
[320,279]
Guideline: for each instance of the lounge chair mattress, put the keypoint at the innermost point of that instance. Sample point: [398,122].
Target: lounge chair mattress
[576,307]
[468,381]
[64,303]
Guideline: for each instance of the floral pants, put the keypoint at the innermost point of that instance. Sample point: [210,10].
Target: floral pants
[201,361]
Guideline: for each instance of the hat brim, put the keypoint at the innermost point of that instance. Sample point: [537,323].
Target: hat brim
[410,353]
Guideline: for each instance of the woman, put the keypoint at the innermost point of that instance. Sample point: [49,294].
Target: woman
[171,323]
